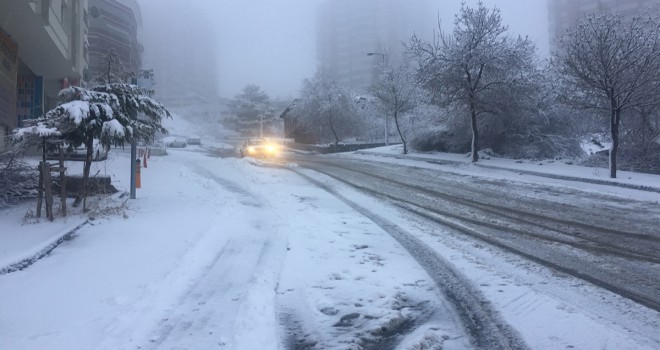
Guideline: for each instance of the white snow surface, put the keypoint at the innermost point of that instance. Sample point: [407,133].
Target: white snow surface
[220,253]
[77,111]
[40,130]
[114,128]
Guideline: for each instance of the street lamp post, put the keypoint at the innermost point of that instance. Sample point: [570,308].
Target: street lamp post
[382,56]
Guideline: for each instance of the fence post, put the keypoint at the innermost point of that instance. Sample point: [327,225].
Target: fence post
[62,184]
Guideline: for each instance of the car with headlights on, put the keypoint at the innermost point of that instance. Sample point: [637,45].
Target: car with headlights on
[259,148]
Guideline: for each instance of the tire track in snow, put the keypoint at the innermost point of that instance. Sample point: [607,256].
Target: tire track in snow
[204,316]
[208,314]
[551,251]
[483,324]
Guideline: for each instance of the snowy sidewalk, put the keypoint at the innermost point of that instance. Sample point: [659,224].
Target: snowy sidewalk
[24,241]
[546,168]
[24,238]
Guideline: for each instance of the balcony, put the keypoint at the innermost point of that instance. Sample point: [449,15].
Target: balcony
[40,33]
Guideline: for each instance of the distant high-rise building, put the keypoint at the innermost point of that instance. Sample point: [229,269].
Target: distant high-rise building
[563,14]
[350,29]
[180,48]
[114,24]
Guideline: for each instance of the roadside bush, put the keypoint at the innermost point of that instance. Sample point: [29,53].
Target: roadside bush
[640,157]
[441,141]
[539,147]
[18,180]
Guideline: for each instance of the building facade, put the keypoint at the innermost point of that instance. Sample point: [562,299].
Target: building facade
[114,24]
[350,29]
[563,14]
[42,49]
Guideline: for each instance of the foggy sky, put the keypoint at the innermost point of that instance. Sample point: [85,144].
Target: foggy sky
[523,17]
[271,43]
[268,43]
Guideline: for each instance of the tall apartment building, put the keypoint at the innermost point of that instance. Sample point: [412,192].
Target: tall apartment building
[42,49]
[183,56]
[564,13]
[114,24]
[349,29]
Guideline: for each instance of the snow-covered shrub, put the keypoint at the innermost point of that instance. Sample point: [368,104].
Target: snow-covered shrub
[17,179]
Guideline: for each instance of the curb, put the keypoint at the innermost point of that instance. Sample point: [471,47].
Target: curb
[520,171]
[49,247]
[24,263]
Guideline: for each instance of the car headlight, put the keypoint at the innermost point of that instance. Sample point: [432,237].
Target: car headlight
[271,148]
[251,149]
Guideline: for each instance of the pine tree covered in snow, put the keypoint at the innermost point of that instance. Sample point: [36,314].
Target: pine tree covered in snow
[251,111]
[112,114]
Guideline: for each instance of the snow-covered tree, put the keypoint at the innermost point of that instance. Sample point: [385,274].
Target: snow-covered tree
[17,179]
[611,64]
[326,109]
[112,114]
[141,115]
[397,92]
[370,116]
[112,70]
[478,68]
[537,125]
[250,110]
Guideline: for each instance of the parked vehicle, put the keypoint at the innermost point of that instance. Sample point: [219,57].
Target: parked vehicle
[100,153]
[194,141]
[176,143]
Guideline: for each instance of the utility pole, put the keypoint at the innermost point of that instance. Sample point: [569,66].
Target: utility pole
[133,166]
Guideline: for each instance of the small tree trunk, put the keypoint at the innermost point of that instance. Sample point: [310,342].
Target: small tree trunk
[398,129]
[475,133]
[40,189]
[88,165]
[62,183]
[48,190]
[82,194]
[614,131]
[332,127]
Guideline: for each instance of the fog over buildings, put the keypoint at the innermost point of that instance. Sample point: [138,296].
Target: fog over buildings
[563,14]
[273,44]
[353,38]
[113,24]
[215,48]
[180,45]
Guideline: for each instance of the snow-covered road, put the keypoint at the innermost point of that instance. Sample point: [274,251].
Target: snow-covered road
[223,253]
[237,254]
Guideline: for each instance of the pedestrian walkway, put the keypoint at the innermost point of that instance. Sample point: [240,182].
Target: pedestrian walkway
[25,238]
[556,169]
